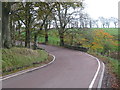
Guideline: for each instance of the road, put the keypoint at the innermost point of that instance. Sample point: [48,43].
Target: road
[71,69]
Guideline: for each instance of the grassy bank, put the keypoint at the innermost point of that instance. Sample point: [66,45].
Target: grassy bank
[112,65]
[16,59]
[110,62]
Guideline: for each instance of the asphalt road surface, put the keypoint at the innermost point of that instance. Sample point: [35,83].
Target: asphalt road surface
[71,69]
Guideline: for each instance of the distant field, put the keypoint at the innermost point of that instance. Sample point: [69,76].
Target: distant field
[112,31]
[53,38]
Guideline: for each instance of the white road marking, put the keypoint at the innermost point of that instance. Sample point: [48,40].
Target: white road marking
[101,78]
[96,74]
[28,70]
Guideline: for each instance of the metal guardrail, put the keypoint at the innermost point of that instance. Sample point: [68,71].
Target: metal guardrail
[76,48]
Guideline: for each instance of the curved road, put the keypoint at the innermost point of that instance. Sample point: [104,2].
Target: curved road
[71,69]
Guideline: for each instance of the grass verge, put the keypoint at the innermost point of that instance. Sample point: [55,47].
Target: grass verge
[112,65]
[17,59]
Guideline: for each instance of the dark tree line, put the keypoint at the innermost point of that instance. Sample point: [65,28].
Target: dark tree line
[34,17]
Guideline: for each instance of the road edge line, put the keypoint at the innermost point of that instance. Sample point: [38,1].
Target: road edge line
[29,69]
[102,75]
[96,74]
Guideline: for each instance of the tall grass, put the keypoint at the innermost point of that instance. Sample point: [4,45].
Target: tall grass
[16,58]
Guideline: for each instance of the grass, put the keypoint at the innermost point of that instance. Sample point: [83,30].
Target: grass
[112,31]
[53,38]
[20,58]
[113,64]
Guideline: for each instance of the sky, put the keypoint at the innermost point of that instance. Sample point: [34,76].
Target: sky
[105,8]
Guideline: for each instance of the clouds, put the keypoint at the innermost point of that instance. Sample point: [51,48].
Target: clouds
[105,8]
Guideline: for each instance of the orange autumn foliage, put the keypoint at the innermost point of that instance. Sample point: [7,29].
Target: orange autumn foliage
[101,38]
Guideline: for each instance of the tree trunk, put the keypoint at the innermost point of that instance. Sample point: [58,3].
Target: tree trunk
[0,24]
[19,31]
[6,38]
[35,42]
[28,19]
[90,24]
[61,39]
[115,25]
[12,28]
[97,26]
[13,35]
[46,37]
[27,38]
[71,43]
[46,32]
[103,25]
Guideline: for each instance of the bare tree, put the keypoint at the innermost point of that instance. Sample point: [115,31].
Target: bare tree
[96,23]
[107,22]
[114,20]
[102,20]
[84,20]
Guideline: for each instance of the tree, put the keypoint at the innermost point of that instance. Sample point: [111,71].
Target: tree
[62,17]
[87,20]
[107,22]
[95,22]
[102,20]
[6,38]
[28,9]
[26,17]
[21,12]
[47,27]
[82,25]
[114,20]
[45,9]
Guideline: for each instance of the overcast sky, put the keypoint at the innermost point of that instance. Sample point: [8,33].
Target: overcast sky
[105,8]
